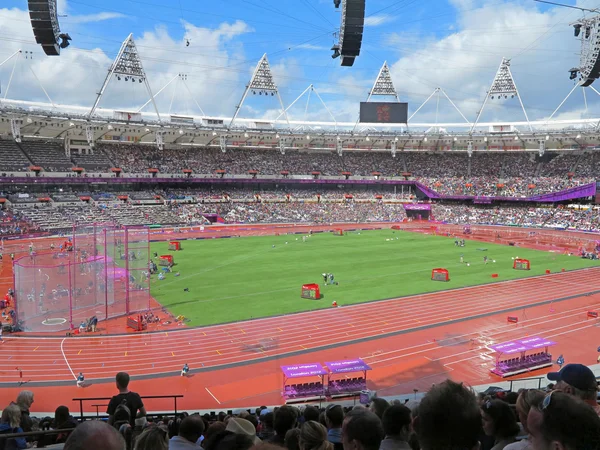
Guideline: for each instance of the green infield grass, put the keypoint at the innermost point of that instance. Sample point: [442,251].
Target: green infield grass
[234,279]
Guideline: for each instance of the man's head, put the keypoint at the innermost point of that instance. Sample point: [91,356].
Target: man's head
[499,420]
[577,380]
[449,418]
[61,415]
[191,428]
[122,380]
[397,422]
[378,406]
[334,416]
[284,419]
[563,422]
[361,430]
[95,434]
[310,413]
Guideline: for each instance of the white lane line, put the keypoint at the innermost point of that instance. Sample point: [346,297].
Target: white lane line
[213,396]
[65,357]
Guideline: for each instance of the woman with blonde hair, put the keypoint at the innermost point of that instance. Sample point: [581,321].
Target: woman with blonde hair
[527,399]
[9,423]
[154,437]
[313,436]
[24,402]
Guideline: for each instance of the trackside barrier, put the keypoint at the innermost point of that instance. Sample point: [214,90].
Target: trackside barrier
[144,397]
[512,319]
[592,314]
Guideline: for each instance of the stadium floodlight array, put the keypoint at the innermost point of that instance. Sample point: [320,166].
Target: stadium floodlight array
[503,86]
[262,82]
[126,66]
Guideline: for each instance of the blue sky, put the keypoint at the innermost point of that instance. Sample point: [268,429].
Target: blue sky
[453,44]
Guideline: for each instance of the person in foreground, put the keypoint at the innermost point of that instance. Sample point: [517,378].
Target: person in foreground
[95,435]
[190,430]
[448,418]
[563,422]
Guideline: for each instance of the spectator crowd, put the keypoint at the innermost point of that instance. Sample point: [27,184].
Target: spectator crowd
[450,416]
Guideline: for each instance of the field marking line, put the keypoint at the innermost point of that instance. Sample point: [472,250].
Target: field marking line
[65,357]
[213,396]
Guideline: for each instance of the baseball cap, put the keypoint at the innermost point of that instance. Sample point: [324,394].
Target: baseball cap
[576,375]
[243,426]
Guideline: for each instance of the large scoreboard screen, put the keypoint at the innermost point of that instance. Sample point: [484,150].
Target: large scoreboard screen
[372,112]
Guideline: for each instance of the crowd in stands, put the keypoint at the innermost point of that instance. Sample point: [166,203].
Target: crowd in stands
[519,174]
[584,220]
[450,416]
[191,207]
[310,212]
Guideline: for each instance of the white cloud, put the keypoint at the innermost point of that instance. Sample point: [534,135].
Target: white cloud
[213,63]
[99,17]
[378,20]
[464,62]
[311,47]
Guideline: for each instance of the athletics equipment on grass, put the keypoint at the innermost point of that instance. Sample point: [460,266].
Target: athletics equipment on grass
[103,272]
[440,275]
[311,291]
[521,264]
[175,246]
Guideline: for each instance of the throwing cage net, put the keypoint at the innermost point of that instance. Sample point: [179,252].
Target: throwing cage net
[100,270]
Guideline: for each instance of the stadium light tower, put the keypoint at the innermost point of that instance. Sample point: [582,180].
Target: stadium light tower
[503,86]
[127,65]
[262,82]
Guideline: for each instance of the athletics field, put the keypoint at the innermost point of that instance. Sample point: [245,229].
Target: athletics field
[233,279]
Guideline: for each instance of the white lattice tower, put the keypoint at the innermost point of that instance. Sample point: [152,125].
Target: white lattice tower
[503,83]
[127,64]
[502,86]
[262,82]
[383,84]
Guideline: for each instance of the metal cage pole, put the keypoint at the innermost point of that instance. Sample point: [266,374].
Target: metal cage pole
[70,296]
[72,277]
[94,261]
[15,293]
[147,263]
[105,276]
[126,270]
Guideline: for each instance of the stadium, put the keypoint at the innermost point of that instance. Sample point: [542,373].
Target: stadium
[229,263]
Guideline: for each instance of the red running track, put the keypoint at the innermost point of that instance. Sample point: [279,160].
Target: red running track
[410,342]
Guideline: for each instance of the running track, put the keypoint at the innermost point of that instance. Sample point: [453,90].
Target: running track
[410,341]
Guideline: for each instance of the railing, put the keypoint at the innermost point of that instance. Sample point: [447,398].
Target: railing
[528,382]
[104,399]
[32,434]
